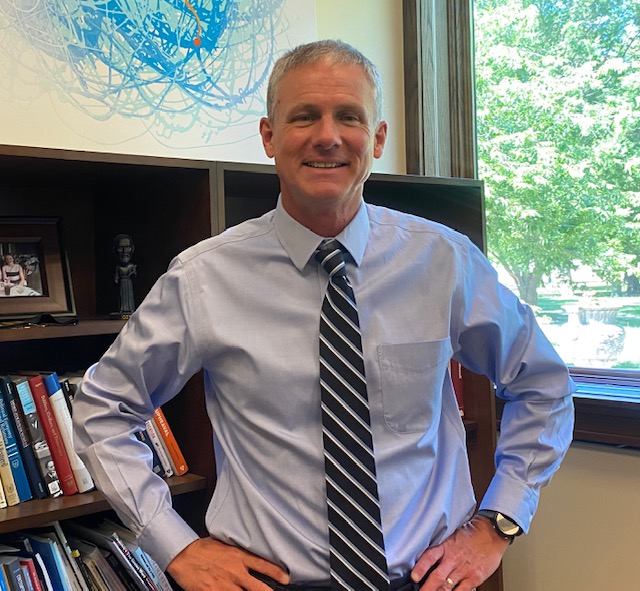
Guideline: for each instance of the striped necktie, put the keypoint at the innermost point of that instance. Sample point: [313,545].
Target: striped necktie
[356,543]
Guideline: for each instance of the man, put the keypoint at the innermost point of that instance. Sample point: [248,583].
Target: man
[246,306]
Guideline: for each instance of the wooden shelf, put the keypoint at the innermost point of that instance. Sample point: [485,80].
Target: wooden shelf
[38,512]
[84,327]
[166,205]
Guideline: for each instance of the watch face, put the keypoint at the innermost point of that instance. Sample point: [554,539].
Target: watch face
[506,526]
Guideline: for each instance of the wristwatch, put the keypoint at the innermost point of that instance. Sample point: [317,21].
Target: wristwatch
[505,526]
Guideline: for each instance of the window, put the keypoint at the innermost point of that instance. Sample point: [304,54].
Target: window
[558,115]
[557,109]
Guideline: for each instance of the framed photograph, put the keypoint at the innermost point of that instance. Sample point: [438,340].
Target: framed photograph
[35,282]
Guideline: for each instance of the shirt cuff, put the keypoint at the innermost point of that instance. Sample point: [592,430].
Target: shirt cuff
[513,498]
[165,537]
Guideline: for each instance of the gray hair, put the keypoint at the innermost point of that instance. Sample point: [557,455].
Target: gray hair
[334,51]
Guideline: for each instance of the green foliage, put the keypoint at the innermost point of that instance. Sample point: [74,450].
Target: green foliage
[558,103]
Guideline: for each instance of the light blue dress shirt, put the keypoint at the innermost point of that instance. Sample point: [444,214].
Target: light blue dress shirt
[245,306]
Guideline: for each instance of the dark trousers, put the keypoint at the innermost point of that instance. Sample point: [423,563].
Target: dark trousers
[403,584]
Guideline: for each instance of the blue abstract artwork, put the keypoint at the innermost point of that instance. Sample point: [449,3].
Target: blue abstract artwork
[180,68]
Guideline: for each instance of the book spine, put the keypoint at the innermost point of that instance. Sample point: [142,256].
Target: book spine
[3,498]
[137,569]
[6,475]
[159,447]
[83,479]
[97,580]
[11,445]
[38,440]
[73,563]
[33,573]
[14,574]
[52,435]
[458,384]
[123,574]
[23,438]
[179,463]
[155,460]
[84,573]
[46,578]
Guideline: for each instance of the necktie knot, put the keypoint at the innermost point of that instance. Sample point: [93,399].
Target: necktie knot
[331,256]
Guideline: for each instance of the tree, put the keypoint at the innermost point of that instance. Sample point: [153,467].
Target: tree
[558,105]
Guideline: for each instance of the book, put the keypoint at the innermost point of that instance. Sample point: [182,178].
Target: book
[458,387]
[178,463]
[3,499]
[27,578]
[137,570]
[10,566]
[4,583]
[161,451]
[23,438]
[75,554]
[52,559]
[101,571]
[42,571]
[52,435]
[121,572]
[118,549]
[12,447]
[29,563]
[97,580]
[156,466]
[38,441]
[64,566]
[75,568]
[81,475]
[6,476]
[149,564]
[18,542]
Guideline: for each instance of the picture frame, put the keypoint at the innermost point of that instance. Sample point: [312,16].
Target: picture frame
[36,286]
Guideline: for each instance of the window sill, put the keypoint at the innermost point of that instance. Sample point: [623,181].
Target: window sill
[607,414]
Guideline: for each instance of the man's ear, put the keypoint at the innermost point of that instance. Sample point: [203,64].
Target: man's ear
[267,136]
[380,139]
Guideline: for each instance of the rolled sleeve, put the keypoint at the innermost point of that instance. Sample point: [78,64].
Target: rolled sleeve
[148,364]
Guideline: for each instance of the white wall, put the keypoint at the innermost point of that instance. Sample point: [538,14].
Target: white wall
[586,534]
[375,28]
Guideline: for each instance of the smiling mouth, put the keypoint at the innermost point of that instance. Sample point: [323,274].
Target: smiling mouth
[324,164]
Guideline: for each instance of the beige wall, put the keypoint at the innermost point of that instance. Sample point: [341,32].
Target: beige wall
[586,535]
[375,28]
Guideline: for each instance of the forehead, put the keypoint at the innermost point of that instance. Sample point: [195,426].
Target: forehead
[325,81]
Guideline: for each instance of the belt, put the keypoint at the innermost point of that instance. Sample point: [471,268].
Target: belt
[403,584]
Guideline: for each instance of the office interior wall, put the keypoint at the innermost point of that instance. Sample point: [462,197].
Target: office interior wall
[375,28]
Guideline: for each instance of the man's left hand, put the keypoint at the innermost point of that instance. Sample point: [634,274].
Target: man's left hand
[463,561]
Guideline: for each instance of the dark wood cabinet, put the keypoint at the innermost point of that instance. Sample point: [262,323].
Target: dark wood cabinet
[166,205]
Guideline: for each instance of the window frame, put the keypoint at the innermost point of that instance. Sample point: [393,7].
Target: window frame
[441,140]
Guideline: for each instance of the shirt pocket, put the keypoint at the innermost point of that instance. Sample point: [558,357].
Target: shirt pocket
[411,377]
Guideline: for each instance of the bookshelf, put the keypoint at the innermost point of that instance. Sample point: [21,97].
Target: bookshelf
[166,205]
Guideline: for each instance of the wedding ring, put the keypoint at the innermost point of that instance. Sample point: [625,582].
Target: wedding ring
[448,584]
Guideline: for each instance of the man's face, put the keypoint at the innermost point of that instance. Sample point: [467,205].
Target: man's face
[323,137]
[124,250]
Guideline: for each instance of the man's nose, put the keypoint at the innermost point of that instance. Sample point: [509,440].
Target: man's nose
[327,133]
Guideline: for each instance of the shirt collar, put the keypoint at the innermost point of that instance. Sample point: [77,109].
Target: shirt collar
[300,243]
